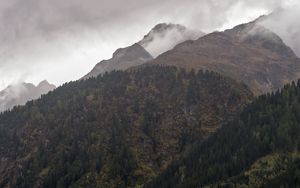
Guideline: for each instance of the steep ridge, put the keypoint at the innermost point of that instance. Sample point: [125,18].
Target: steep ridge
[160,39]
[116,130]
[21,93]
[248,53]
[258,149]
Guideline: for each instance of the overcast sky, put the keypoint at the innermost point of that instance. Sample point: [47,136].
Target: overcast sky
[61,40]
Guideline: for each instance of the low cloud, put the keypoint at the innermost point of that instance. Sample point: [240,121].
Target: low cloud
[13,95]
[20,93]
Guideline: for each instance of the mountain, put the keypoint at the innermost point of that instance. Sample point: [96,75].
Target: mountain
[164,37]
[192,124]
[21,93]
[122,59]
[117,130]
[260,148]
[160,39]
[248,53]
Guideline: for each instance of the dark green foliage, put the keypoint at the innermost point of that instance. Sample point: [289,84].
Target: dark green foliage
[270,124]
[289,179]
[117,130]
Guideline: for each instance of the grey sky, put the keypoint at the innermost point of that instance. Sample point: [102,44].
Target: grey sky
[61,40]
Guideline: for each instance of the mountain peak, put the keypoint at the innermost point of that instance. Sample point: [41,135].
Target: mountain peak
[45,86]
[43,83]
[161,30]
[164,26]
[128,51]
[165,36]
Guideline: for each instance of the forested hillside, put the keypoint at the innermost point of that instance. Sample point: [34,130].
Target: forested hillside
[258,149]
[116,130]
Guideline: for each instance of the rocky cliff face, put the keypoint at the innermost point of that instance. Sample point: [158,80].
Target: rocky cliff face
[21,93]
[248,53]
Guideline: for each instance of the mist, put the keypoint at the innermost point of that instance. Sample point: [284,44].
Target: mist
[284,22]
[14,95]
[19,93]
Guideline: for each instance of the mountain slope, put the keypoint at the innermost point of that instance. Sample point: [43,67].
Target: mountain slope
[21,93]
[116,130]
[242,152]
[248,53]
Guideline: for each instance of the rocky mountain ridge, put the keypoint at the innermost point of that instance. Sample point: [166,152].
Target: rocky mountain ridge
[248,53]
